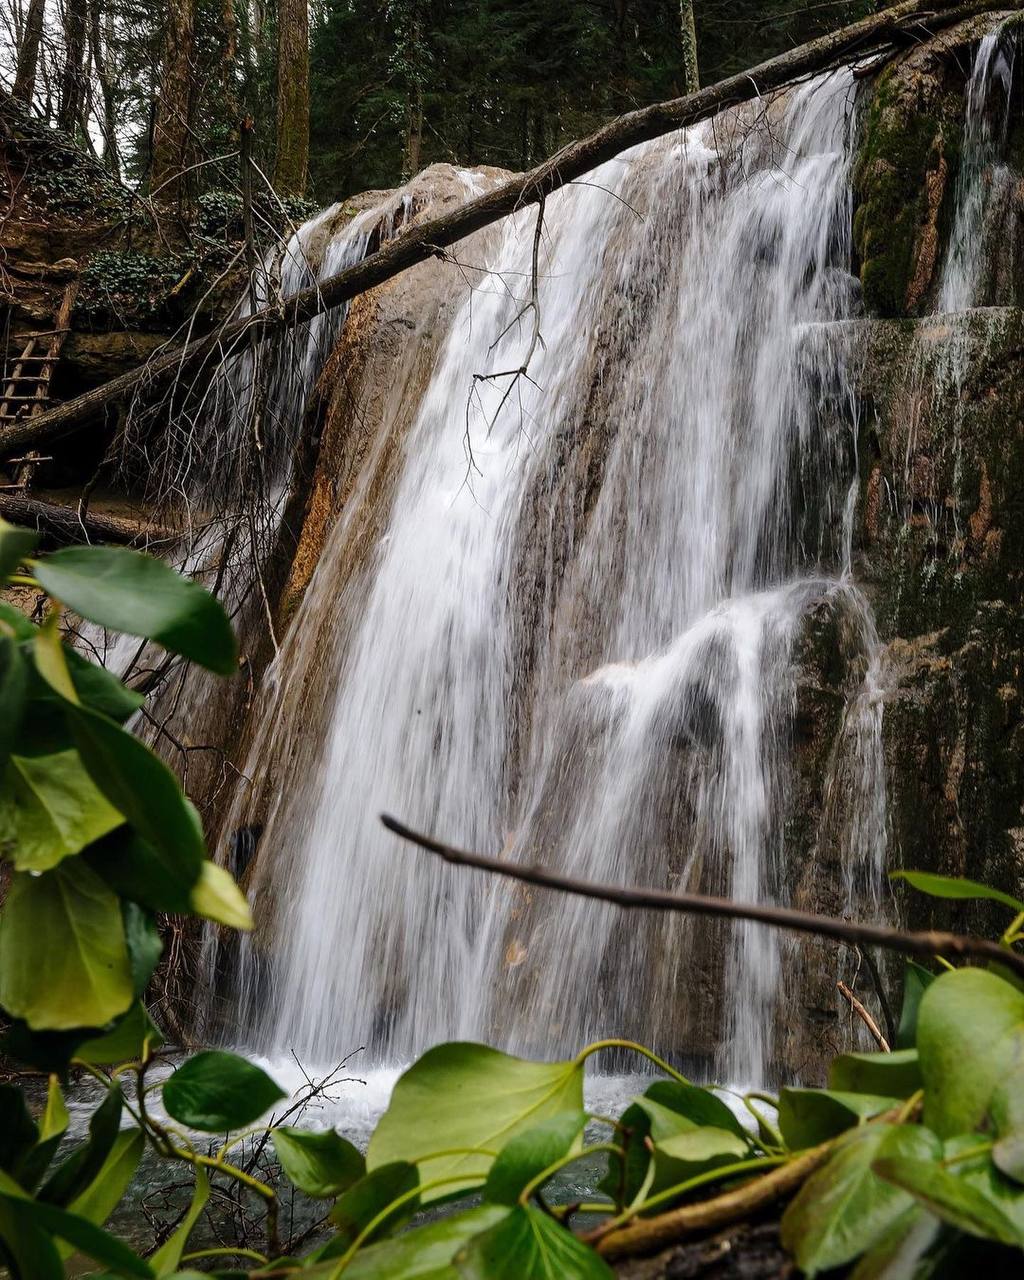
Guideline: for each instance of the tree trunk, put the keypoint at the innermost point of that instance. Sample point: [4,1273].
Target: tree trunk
[414,137]
[104,72]
[291,167]
[691,72]
[171,126]
[28,53]
[427,239]
[72,85]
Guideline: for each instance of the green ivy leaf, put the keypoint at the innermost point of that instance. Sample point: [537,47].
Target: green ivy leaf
[1007,1112]
[691,1103]
[215,1091]
[82,1234]
[898,1252]
[16,545]
[685,1155]
[955,887]
[843,1209]
[141,787]
[50,809]
[18,1132]
[145,946]
[142,596]
[810,1116]
[13,692]
[916,981]
[106,1191]
[949,1197]
[167,1257]
[127,1041]
[77,1172]
[970,1035]
[217,897]
[134,869]
[527,1244]
[32,1250]
[366,1200]
[467,1095]
[14,622]
[424,1253]
[623,1180]
[63,957]
[529,1153]
[893,1075]
[322,1164]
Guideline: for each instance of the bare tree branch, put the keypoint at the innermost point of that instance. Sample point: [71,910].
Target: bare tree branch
[951,946]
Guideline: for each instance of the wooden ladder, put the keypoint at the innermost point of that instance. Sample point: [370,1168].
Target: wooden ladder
[26,389]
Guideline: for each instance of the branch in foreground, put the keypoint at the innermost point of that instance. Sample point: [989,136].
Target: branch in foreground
[913,17]
[951,946]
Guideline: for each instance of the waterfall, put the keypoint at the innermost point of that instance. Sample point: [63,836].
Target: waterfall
[571,634]
[984,179]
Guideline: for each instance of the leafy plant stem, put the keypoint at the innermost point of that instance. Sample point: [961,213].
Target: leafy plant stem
[535,1183]
[772,1130]
[598,1045]
[389,1209]
[1014,930]
[982,1149]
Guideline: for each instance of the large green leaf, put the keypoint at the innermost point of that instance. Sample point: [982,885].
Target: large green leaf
[916,980]
[529,1153]
[106,1191]
[53,1125]
[469,1096]
[33,1251]
[77,1172]
[954,887]
[1007,1113]
[949,1197]
[15,546]
[970,1035]
[154,878]
[690,1103]
[18,1132]
[625,1177]
[141,787]
[216,897]
[83,1235]
[685,1155]
[528,1244]
[13,691]
[127,1040]
[892,1075]
[140,595]
[367,1200]
[215,1091]
[322,1164]
[94,686]
[63,957]
[424,1253]
[49,809]
[843,1209]
[898,1253]
[167,1257]
[145,946]
[810,1116]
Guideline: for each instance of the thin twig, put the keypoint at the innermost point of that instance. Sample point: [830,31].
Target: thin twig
[864,1016]
[951,946]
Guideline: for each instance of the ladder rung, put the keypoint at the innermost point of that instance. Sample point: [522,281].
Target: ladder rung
[25,399]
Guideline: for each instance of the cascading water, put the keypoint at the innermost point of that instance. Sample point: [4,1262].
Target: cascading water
[573,636]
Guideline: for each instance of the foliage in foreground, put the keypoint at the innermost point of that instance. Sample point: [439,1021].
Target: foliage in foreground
[906,1159]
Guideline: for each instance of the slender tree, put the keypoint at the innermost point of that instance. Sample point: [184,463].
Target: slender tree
[173,114]
[28,52]
[101,47]
[691,72]
[72,83]
[291,166]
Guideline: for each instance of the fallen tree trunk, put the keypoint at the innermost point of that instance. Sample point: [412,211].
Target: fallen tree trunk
[430,239]
[60,524]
